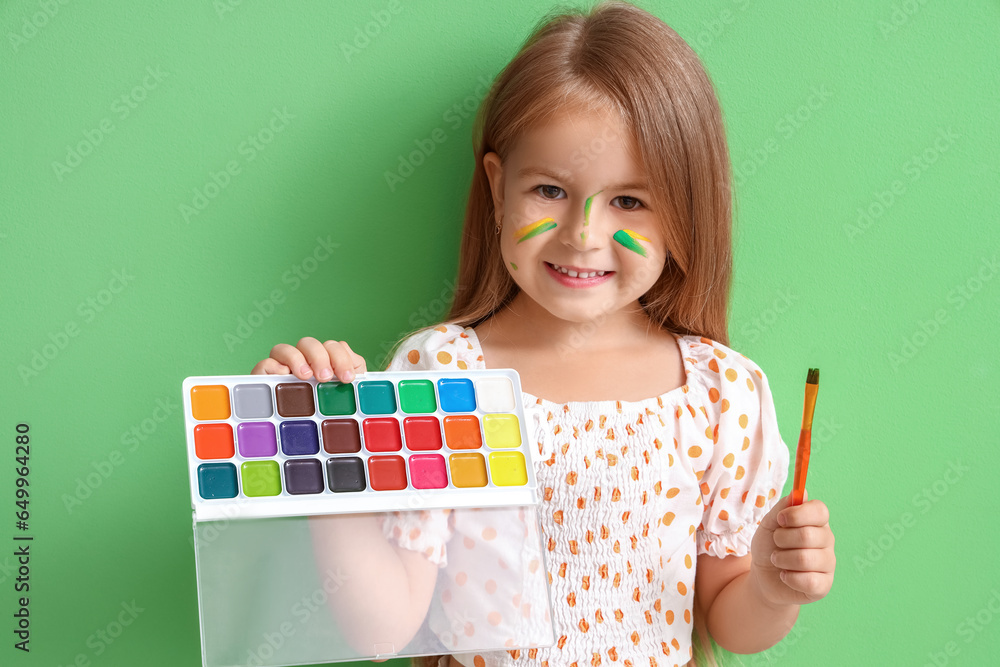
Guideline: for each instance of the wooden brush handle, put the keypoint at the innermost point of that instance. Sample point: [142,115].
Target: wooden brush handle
[802,452]
[801,467]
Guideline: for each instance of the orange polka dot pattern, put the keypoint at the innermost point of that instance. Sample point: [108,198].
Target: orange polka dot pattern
[633,493]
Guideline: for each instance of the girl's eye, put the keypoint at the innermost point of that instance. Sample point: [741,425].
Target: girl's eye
[629,203]
[549,191]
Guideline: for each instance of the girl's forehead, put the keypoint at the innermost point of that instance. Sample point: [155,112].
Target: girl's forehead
[576,119]
[572,143]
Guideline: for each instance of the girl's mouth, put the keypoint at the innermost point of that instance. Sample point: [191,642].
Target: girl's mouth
[572,276]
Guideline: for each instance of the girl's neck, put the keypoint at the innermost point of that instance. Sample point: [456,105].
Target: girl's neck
[621,356]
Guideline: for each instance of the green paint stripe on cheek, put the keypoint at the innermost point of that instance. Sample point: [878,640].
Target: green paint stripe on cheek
[625,239]
[534,229]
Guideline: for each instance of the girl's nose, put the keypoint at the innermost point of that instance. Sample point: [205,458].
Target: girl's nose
[583,228]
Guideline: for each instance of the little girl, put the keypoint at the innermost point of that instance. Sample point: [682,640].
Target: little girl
[596,261]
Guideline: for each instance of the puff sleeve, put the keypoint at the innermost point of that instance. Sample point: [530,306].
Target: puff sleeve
[443,347]
[749,460]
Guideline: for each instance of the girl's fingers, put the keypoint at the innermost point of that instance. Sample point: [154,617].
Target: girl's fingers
[270,366]
[318,358]
[312,358]
[814,585]
[293,359]
[805,537]
[343,359]
[809,513]
[804,560]
[359,362]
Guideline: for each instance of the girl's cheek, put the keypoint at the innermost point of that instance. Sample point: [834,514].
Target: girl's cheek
[640,271]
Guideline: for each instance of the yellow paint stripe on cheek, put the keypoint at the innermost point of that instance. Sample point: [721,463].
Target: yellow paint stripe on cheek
[534,229]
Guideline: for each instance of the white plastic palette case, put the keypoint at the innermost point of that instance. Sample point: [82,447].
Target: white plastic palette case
[269,596]
[292,573]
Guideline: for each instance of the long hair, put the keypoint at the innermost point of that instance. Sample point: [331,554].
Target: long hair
[621,57]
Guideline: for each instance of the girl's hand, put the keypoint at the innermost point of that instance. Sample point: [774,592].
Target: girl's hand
[793,563]
[311,357]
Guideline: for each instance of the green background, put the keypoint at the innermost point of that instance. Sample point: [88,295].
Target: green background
[832,110]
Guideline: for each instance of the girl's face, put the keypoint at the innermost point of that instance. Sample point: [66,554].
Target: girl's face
[578,237]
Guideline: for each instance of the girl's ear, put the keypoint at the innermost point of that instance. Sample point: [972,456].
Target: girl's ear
[494,172]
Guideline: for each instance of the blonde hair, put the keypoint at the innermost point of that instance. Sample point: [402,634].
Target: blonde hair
[620,57]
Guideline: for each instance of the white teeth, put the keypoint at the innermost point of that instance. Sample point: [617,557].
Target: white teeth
[576,274]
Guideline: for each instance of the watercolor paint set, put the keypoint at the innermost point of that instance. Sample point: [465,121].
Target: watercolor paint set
[281,472]
[270,445]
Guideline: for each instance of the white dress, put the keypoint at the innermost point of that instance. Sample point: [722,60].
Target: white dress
[634,492]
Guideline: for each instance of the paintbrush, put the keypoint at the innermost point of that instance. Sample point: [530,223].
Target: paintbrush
[805,436]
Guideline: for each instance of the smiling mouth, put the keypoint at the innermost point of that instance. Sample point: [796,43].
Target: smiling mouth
[576,272]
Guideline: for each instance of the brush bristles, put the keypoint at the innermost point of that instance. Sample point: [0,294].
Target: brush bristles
[813,376]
